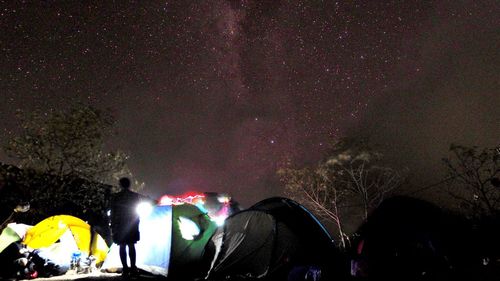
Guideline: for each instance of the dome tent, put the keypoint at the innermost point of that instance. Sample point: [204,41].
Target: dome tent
[413,239]
[269,240]
[48,247]
[50,230]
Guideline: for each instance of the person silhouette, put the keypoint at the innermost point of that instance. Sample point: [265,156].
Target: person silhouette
[125,224]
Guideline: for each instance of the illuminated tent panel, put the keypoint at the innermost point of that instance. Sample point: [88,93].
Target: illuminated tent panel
[153,249]
[173,241]
[188,254]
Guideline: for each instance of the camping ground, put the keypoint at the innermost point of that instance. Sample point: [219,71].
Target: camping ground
[99,276]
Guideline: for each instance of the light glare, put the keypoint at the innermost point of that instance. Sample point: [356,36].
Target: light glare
[219,221]
[144,209]
[189,229]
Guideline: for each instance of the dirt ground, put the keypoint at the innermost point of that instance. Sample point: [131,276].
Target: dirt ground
[101,276]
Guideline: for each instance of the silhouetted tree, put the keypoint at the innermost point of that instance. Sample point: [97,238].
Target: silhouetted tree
[352,179]
[68,142]
[313,189]
[473,175]
[359,170]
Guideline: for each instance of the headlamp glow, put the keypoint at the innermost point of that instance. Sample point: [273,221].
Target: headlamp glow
[143,209]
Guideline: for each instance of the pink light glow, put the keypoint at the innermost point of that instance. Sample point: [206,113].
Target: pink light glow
[189,197]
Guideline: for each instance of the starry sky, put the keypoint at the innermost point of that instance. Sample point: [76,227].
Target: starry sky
[216,95]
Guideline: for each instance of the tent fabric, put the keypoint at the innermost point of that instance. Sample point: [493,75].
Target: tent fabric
[99,248]
[285,246]
[59,253]
[268,240]
[301,222]
[162,250]
[8,237]
[247,245]
[51,244]
[13,232]
[188,255]
[304,225]
[411,237]
[50,230]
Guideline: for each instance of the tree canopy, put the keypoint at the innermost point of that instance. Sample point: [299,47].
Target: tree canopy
[64,165]
[350,181]
[68,142]
[473,176]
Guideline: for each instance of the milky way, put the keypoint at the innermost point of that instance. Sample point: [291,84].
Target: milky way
[215,95]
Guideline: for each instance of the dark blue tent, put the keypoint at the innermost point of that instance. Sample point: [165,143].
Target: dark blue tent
[269,240]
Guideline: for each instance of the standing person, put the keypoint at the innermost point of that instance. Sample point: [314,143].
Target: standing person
[125,224]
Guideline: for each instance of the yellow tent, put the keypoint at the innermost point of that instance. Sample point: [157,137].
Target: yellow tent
[48,231]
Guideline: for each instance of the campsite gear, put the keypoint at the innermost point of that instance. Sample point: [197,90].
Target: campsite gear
[87,265]
[167,246]
[11,260]
[47,263]
[75,259]
[268,240]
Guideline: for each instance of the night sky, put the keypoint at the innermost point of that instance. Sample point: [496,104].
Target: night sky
[216,95]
